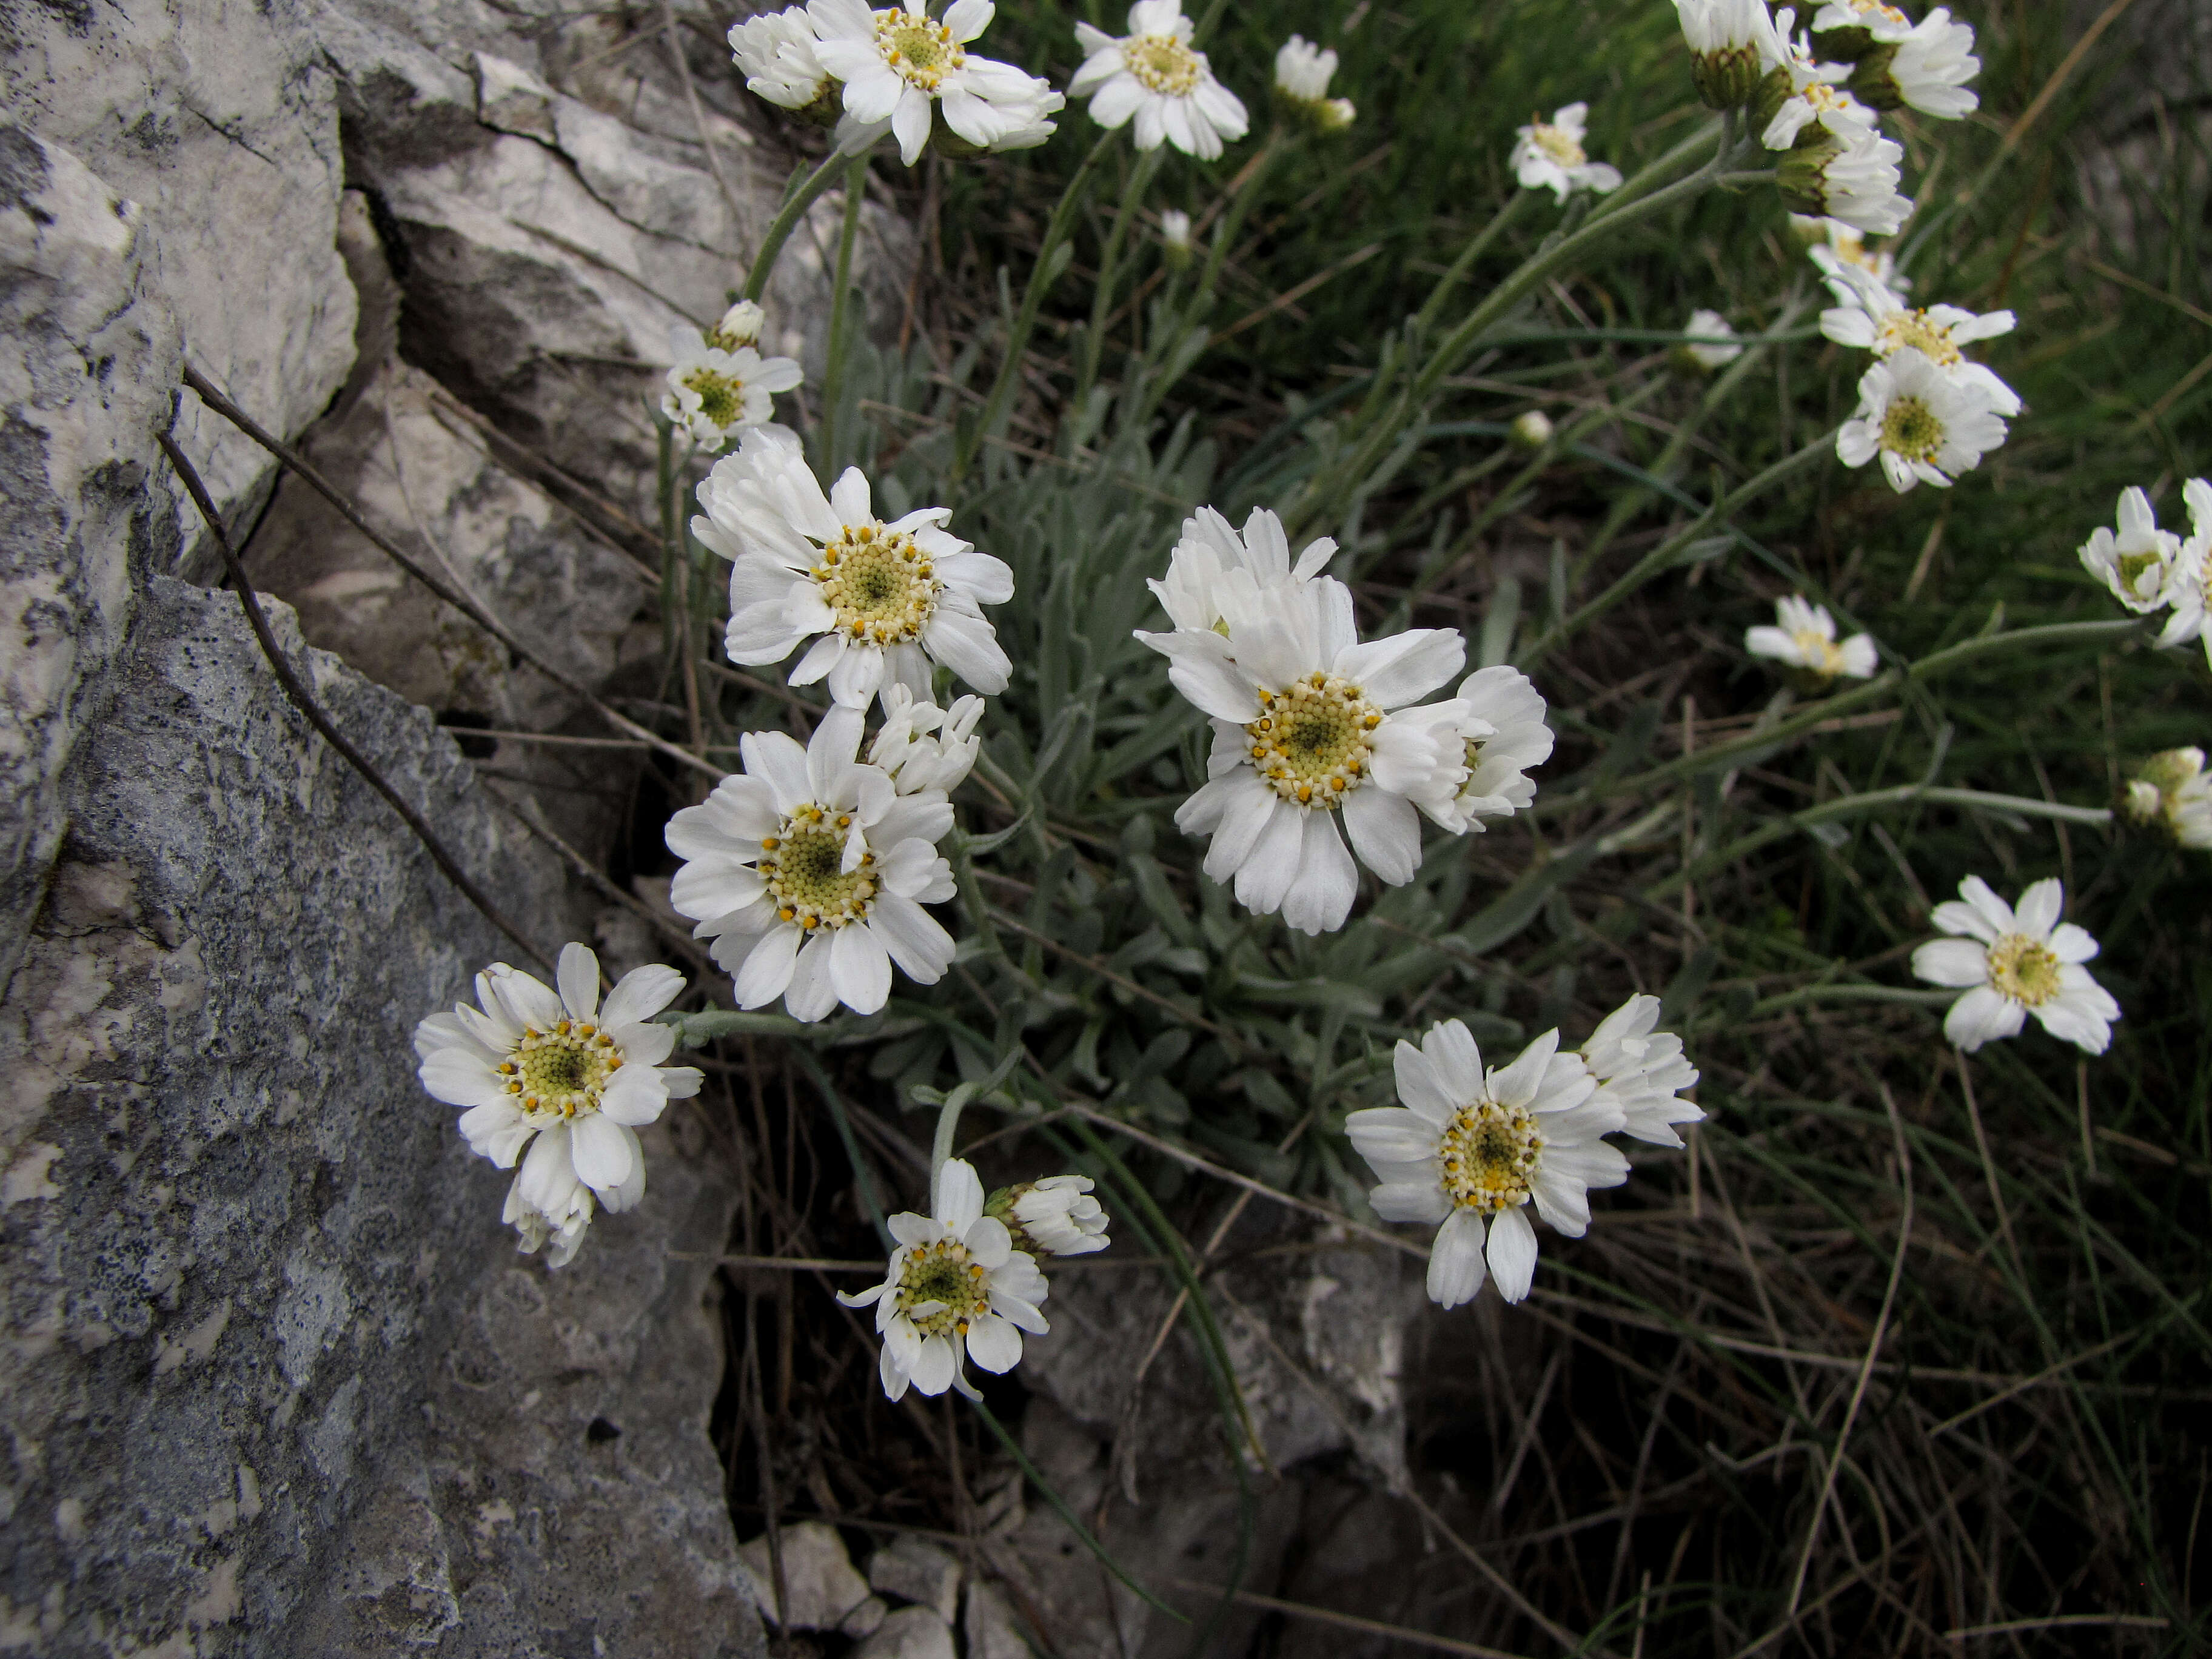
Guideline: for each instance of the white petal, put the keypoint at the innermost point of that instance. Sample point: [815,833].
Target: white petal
[1512,1253]
[959,1203]
[577,976]
[993,1343]
[1455,1272]
[602,1155]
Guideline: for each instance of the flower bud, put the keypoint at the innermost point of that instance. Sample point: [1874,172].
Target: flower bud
[1531,430]
[741,325]
[1056,1216]
[1729,78]
[2170,792]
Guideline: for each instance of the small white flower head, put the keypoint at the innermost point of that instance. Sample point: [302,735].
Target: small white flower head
[1549,155]
[1732,42]
[887,600]
[1302,75]
[1311,726]
[1874,320]
[775,53]
[1926,427]
[1928,69]
[1814,97]
[1845,30]
[2171,790]
[1854,181]
[1154,74]
[1056,1216]
[809,872]
[1642,1070]
[924,747]
[956,1288]
[1831,244]
[2137,561]
[714,391]
[1531,430]
[568,1078]
[1472,1147]
[2188,583]
[741,325]
[1503,732]
[1804,638]
[1700,351]
[1175,234]
[902,69]
[1218,579]
[2014,964]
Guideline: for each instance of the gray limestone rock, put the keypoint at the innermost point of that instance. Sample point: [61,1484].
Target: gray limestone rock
[909,1633]
[821,1586]
[987,1627]
[916,1570]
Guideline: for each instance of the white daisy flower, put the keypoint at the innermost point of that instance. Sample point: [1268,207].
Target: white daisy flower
[956,1289]
[1831,244]
[714,391]
[1926,427]
[2137,562]
[1218,579]
[1731,44]
[775,53]
[902,67]
[1805,639]
[2171,791]
[1302,75]
[2016,963]
[809,872]
[1928,70]
[1056,1216]
[1175,233]
[564,1075]
[888,600]
[1816,98]
[1704,324]
[1504,733]
[1874,320]
[2189,582]
[924,747]
[1846,28]
[1309,725]
[1643,1071]
[1154,74]
[1549,155]
[1855,182]
[1471,1146]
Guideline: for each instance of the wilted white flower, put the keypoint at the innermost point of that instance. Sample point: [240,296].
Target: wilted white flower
[1531,429]
[1154,74]
[1846,28]
[1925,426]
[1175,232]
[2137,561]
[1056,1216]
[2016,963]
[1218,579]
[900,66]
[1731,44]
[1704,326]
[714,391]
[1642,1070]
[886,598]
[809,872]
[1874,320]
[1549,155]
[1309,725]
[1805,639]
[1815,98]
[1471,1148]
[2171,791]
[924,747]
[1854,181]
[1831,244]
[775,52]
[1927,69]
[567,1077]
[1504,733]
[956,1288]
[1302,74]
[2189,582]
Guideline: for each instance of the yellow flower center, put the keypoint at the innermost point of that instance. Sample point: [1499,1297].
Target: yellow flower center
[723,340]
[2024,969]
[1912,328]
[1313,743]
[1824,98]
[721,397]
[804,866]
[2133,567]
[1487,1153]
[944,1274]
[1163,64]
[560,1073]
[1556,142]
[879,583]
[1876,8]
[1818,653]
[1910,428]
[919,50]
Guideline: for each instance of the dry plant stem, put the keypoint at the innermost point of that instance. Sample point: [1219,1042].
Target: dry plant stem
[484,619]
[1989,1165]
[1094,340]
[787,221]
[1397,1633]
[699,114]
[306,705]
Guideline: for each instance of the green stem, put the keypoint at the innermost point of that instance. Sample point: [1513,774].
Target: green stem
[833,383]
[940,1144]
[861,1179]
[1477,245]
[787,221]
[1101,304]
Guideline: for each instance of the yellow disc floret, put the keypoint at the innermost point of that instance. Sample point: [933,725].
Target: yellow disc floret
[560,1073]
[942,1289]
[919,50]
[1487,1155]
[804,864]
[1557,143]
[1314,741]
[721,397]
[880,583]
[1163,64]
[2024,969]
[1932,339]
[1910,428]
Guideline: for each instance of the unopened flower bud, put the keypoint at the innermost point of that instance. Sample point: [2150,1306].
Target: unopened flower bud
[1056,1216]
[1175,236]
[1531,430]
[741,325]
[2171,792]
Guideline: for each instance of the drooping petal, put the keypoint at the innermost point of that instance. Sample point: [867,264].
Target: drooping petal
[1512,1253]
[1456,1270]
